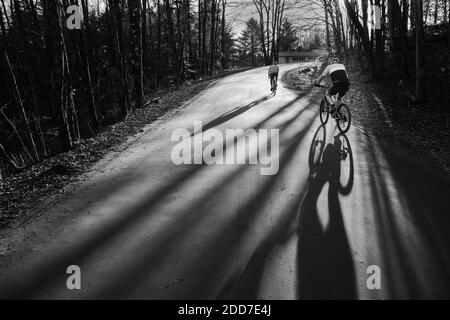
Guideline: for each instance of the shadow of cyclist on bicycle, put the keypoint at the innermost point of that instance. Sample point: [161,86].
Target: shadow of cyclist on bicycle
[325,264]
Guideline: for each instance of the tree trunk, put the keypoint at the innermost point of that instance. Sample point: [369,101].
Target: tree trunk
[52,37]
[340,25]
[212,38]
[436,8]
[204,51]
[337,35]
[413,13]
[2,25]
[263,39]
[145,54]
[172,41]
[67,91]
[117,16]
[187,9]
[420,54]
[23,112]
[448,47]
[425,11]
[158,40]
[86,55]
[200,22]
[364,36]
[181,42]
[135,18]
[379,52]
[327,28]
[446,7]
[392,24]
[222,46]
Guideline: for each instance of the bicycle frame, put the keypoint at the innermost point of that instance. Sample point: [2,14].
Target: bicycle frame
[273,84]
[273,81]
[338,105]
[337,100]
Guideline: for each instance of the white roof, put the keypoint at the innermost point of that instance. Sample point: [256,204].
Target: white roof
[297,54]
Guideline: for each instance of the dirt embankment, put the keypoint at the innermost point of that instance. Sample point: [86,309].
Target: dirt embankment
[387,109]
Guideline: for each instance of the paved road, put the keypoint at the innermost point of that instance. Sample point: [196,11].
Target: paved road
[140,226]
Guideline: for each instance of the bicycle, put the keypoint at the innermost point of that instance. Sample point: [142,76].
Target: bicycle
[343,115]
[341,151]
[273,85]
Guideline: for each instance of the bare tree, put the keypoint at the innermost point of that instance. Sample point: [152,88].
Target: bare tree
[117,22]
[87,57]
[420,55]
[135,18]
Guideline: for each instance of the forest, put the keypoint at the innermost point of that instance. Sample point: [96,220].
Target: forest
[391,35]
[60,85]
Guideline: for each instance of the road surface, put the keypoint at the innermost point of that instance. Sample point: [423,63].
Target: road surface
[350,217]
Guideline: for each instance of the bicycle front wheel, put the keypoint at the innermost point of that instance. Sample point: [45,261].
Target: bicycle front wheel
[344,118]
[324,111]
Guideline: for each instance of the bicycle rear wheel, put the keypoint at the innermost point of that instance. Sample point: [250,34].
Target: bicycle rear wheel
[344,118]
[316,148]
[324,111]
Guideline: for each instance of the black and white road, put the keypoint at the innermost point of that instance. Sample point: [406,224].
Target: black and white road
[333,210]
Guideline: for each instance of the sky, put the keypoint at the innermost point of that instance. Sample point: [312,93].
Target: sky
[239,11]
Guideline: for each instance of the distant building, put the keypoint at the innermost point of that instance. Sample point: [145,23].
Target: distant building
[294,56]
[321,52]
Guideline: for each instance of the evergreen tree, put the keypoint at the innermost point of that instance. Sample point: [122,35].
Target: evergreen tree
[249,42]
[288,37]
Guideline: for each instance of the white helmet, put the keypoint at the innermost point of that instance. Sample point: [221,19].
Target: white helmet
[334,60]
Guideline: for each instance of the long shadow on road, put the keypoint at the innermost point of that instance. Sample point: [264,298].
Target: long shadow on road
[319,251]
[409,200]
[325,263]
[232,114]
[95,240]
[224,241]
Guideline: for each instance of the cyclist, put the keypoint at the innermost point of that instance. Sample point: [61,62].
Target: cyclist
[339,78]
[273,74]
